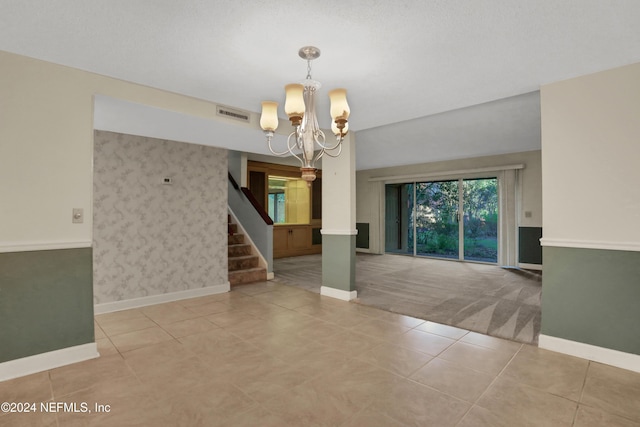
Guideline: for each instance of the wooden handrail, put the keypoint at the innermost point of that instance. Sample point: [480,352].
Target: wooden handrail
[252,199]
[233,181]
[258,207]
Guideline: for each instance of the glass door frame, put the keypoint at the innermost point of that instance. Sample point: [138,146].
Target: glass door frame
[460,217]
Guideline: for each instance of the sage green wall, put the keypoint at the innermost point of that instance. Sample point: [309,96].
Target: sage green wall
[591,296]
[46,301]
[590,154]
[339,261]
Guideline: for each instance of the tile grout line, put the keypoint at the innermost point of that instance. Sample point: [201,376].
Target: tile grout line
[435,389]
[474,404]
[491,384]
[584,383]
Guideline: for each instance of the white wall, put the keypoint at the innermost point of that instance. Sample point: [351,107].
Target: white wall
[591,160]
[338,188]
[370,194]
[46,147]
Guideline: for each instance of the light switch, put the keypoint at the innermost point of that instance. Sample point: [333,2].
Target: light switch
[527,214]
[77,216]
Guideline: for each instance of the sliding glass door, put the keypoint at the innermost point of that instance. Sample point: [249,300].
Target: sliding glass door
[455,219]
[436,219]
[398,206]
[480,215]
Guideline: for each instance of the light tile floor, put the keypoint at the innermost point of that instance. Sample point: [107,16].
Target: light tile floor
[274,355]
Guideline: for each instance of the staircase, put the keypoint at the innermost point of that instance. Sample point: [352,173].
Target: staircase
[243,265]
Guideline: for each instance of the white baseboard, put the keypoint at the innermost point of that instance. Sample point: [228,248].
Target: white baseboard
[49,360]
[339,232]
[338,293]
[607,356]
[109,307]
[271,276]
[530,266]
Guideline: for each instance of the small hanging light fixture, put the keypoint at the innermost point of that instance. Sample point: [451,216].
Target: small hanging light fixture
[301,109]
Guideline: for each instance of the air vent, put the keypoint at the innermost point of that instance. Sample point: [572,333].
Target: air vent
[232,113]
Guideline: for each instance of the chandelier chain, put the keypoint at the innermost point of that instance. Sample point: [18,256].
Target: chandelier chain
[309,69]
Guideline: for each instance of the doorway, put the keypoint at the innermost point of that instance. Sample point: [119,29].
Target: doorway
[294,205]
[453,219]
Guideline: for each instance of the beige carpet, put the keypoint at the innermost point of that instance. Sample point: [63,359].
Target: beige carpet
[484,298]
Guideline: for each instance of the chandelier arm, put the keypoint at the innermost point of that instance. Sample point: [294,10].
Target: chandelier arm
[318,137]
[334,155]
[330,148]
[276,152]
[295,144]
[319,155]
[319,140]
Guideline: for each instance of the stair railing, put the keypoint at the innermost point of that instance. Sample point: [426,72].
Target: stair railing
[252,199]
[254,219]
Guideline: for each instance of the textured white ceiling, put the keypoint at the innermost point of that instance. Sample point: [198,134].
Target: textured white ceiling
[399,60]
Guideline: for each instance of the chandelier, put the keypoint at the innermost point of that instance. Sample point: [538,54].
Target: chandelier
[300,107]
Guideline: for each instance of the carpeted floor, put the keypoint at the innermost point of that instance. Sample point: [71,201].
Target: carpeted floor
[484,298]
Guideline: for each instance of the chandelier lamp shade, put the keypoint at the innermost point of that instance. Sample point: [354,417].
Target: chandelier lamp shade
[307,141]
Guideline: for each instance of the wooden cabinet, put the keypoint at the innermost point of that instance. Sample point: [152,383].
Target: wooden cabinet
[293,204]
[292,240]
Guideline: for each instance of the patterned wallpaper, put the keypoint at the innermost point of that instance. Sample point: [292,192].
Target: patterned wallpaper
[150,238]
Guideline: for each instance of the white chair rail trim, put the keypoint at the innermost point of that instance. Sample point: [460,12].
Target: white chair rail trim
[42,246]
[590,244]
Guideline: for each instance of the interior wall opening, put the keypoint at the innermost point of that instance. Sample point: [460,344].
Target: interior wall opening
[453,219]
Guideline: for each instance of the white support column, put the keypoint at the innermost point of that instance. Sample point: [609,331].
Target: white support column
[339,222]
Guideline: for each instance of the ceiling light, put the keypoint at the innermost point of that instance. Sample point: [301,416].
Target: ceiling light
[300,107]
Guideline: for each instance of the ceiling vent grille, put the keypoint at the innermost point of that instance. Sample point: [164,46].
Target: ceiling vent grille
[232,113]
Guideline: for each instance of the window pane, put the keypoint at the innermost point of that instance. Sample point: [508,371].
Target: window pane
[291,200]
[481,219]
[437,219]
[271,210]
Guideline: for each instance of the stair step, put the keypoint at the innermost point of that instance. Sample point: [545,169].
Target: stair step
[243,262]
[243,266]
[239,249]
[250,275]
[235,239]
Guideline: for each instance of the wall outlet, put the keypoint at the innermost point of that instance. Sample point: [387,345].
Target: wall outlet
[77,216]
[167,180]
